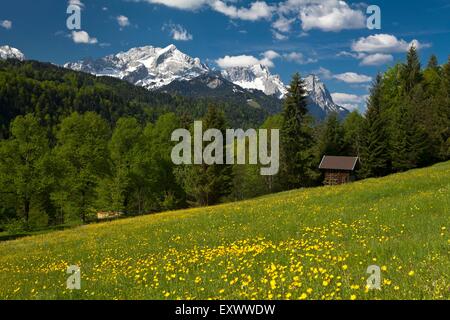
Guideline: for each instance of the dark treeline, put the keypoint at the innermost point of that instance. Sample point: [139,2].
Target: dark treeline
[52,93]
[406,126]
[74,145]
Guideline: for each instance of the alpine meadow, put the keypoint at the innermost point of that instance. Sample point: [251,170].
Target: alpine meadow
[214,156]
[308,244]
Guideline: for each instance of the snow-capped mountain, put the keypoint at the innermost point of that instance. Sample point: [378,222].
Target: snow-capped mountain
[148,66]
[7,52]
[256,77]
[154,68]
[321,103]
[169,69]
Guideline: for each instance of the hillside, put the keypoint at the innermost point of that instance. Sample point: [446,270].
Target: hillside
[214,86]
[313,244]
[52,92]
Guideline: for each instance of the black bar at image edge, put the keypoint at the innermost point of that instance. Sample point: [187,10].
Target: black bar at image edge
[169,310]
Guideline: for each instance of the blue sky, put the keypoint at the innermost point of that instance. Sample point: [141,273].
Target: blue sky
[326,37]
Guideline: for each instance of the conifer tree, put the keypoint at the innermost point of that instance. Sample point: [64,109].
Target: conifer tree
[375,157]
[353,127]
[433,63]
[409,138]
[297,155]
[411,73]
[408,141]
[431,110]
[331,141]
[445,102]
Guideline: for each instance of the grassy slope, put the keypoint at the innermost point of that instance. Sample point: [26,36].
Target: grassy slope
[314,244]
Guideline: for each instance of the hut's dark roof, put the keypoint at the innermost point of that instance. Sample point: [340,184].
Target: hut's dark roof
[338,163]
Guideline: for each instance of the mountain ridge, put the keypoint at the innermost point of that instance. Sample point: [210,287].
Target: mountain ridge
[148,66]
[170,70]
[256,77]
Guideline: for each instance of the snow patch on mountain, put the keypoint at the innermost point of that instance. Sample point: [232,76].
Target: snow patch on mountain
[155,68]
[7,52]
[148,66]
[256,77]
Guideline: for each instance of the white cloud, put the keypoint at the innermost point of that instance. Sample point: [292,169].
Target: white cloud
[347,77]
[325,15]
[266,59]
[349,54]
[279,36]
[331,15]
[376,59]
[236,61]
[258,10]
[352,77]
[346,98]
[246,60]
[76,3]
[7,24]
[178,32]
[83,37]
[283,24]
[384,43]
[123,21]
[298,57]
[271,55]
[181,4]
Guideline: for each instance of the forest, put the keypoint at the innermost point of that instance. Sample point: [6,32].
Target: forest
[73,145]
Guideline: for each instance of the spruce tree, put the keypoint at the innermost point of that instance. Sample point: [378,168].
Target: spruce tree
[409,138]
[297,155]
[433,63]
[408,141]
[331,141]
[375,158]
[353,128]
[432,105]
[445,101]
[411,73]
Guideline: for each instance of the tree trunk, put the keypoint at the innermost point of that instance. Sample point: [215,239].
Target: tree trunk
[27,209]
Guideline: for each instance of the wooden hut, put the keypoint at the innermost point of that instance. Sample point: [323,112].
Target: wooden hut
[338,170]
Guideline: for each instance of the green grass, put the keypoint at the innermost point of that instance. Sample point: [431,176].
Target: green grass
[313,244]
